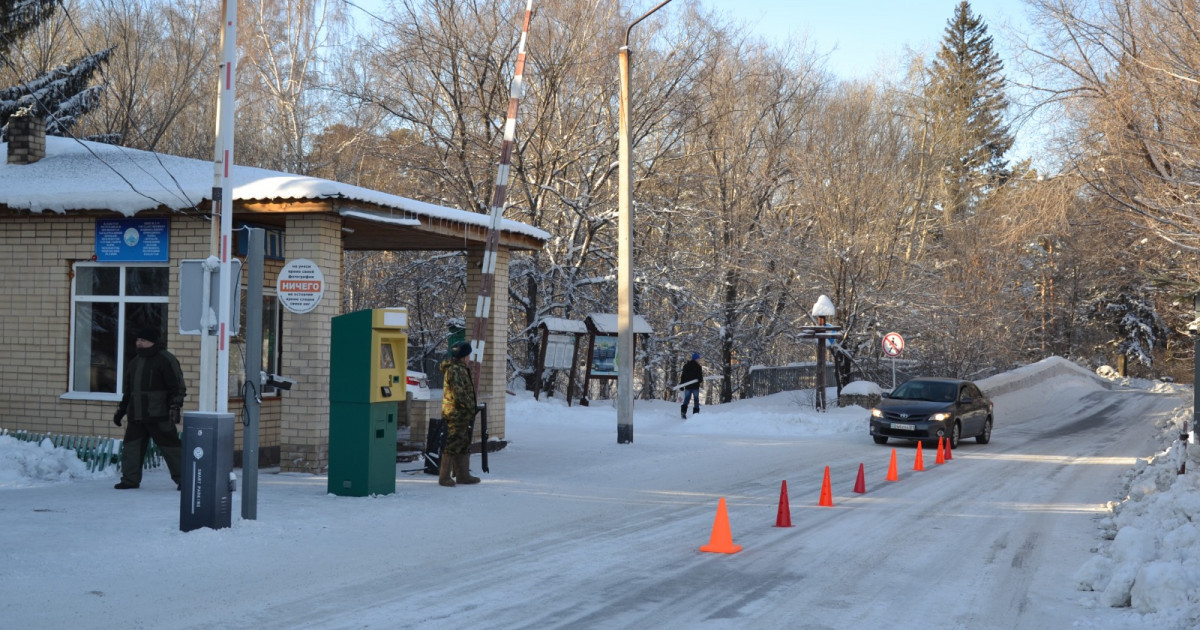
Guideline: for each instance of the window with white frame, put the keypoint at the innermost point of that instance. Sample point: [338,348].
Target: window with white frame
[109,302]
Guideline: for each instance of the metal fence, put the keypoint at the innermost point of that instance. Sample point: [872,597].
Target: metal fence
[765,381]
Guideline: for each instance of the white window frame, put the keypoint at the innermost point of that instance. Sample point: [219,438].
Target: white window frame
[121,300]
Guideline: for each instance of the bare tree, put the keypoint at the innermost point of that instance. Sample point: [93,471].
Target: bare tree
[160,90]
[284,45]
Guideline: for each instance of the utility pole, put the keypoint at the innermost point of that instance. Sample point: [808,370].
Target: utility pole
[625,246]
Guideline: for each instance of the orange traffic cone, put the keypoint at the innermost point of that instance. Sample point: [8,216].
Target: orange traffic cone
[785,513]
[826,492]
[941,454]
[860,486]
[891,476]
[919,464]
[949,454]
[721,540]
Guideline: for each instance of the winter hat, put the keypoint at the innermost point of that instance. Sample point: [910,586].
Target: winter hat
[695,355]
[149,334]
[460,349]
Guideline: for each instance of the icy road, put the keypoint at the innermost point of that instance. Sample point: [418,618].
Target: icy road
[571,530]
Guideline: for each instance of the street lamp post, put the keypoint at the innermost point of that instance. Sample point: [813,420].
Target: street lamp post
[625,248]
[821,310]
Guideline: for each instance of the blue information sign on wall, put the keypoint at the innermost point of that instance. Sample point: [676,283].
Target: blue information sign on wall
[133,240]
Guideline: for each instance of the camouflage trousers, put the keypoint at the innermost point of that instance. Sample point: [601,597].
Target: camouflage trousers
[458,435]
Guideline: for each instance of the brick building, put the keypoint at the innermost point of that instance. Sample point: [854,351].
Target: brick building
[73,289]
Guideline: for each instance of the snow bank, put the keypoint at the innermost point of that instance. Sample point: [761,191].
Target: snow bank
[26,464]
[1152,563]
[1038,373]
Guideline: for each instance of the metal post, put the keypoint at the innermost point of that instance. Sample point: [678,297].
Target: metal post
[625,246]
[624,264]
[217,350]
[820,393]
[253,394]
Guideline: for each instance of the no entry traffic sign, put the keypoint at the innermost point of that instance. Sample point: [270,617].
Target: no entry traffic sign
[893,344]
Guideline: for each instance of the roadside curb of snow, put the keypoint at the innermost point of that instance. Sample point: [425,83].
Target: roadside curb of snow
[1036,373]
[1152,555]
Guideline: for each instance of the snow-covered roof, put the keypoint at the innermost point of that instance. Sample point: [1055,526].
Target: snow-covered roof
[561,325]
[606,323]
[80,175]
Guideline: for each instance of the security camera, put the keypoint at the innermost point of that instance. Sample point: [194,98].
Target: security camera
[275,380]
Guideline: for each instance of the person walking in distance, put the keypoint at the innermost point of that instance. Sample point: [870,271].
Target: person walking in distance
[458,410]
[690,379]
[152,396]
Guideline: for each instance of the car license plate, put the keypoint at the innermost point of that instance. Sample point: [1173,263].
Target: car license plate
[903,427]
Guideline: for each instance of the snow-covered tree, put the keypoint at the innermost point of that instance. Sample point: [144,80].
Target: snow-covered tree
[60,95]
[1131,314]
[966,102]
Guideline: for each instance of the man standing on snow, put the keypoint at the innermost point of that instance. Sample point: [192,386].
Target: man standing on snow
[458,410]
[152,395]
[690,379]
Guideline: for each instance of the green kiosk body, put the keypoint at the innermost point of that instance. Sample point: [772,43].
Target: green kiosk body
[368,361]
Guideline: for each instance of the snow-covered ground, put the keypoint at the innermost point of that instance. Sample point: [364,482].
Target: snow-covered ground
[570,529]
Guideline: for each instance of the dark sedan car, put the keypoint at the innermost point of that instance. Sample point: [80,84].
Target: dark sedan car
[928,408]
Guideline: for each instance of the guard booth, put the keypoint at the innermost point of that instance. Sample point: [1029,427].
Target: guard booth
[367,365]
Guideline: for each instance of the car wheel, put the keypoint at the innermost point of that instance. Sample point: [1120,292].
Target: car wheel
[880,439]
[955,435]
[986,435]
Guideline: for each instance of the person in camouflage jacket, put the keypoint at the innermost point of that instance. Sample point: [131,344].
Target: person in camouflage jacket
[458,411]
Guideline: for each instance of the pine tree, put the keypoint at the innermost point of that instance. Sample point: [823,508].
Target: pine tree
[967,104]
[1129,312]
[61,95]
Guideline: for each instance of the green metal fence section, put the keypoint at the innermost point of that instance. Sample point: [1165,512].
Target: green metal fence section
[96,452]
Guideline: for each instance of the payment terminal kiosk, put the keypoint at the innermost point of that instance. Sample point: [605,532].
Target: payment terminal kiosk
[368,361]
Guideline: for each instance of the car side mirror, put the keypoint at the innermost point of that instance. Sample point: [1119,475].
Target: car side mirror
[965,400]
[885,395]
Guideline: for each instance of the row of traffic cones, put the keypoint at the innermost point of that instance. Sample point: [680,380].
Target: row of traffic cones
[721,540]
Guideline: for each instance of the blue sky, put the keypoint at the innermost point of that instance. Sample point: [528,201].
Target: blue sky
[865,35]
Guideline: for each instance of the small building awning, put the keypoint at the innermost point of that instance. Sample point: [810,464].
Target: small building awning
[607,324]
[563,326]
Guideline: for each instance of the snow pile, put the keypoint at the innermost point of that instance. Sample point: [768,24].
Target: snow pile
[1110,374]
[1038,373]
[26,464]
[1152,563]
[862,388]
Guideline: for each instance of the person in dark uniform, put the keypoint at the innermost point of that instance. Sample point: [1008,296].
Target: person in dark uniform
[152,396]
[690,378]
[458,410]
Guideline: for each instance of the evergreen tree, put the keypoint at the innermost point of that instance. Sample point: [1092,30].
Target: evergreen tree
[61,95]
[1129,312]
[967,104]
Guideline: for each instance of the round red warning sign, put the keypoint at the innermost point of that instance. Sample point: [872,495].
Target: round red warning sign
[300,286]
[893,344]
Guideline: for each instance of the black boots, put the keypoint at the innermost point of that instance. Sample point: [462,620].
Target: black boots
[683,411]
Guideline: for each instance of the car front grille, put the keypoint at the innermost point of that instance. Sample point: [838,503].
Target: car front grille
[891,416]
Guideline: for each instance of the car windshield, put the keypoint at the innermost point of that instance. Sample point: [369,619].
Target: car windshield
[926,390]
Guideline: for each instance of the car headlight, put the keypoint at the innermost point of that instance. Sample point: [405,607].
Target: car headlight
[875,413]
[940,417]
